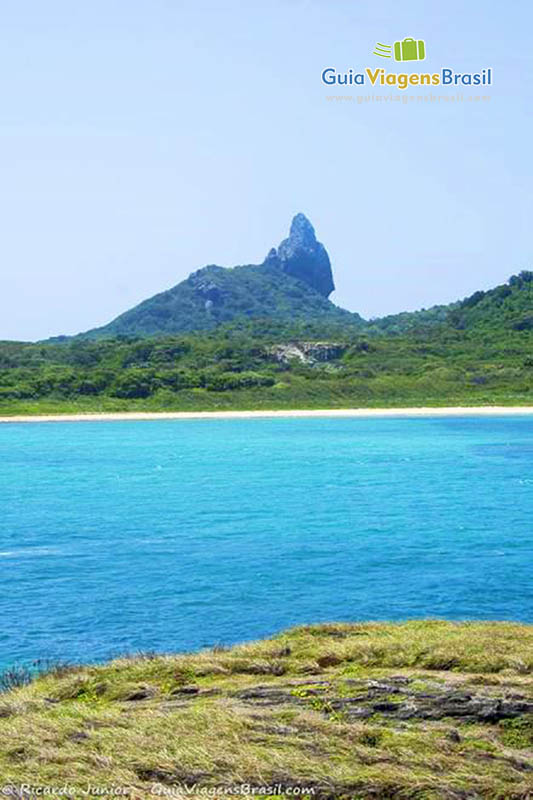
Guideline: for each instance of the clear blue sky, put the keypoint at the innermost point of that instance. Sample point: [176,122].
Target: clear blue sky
[141,140]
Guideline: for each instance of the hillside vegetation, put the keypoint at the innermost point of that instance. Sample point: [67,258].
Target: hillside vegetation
[232,369]
[214,295]
[506,307]
[421,709]
[476,352]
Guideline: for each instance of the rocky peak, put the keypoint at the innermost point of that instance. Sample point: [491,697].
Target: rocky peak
[303,257]
[302,231]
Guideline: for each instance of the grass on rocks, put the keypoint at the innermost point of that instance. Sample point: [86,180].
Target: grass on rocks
[421,709]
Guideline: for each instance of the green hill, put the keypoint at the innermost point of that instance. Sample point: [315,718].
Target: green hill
[506,307]
[289,292]
[292,284]
[214,295]
[509,306]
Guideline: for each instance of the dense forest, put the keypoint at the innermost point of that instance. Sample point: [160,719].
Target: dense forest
[478,351]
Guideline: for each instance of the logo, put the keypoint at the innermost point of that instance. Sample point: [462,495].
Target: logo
[406,50]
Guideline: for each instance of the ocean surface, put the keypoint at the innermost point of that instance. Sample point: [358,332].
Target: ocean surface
[124,536]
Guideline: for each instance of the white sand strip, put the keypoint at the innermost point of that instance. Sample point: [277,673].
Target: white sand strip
[455,411]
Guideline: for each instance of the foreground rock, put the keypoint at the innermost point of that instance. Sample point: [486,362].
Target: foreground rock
[396,698]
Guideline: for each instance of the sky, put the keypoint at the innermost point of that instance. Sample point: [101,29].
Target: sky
[143,139]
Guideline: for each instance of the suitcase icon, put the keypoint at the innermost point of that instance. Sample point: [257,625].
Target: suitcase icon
[410,50]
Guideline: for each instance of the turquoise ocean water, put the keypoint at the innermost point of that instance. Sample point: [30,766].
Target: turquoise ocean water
[173,535]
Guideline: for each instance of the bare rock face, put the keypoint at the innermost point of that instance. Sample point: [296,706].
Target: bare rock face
[303,257]
[206,284]
[307,352]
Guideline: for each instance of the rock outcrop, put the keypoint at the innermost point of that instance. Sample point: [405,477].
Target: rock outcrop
[204,282]
[303,257]
[398,697]
[307,352]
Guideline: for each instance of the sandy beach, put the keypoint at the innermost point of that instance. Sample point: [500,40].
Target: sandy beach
[124,416]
